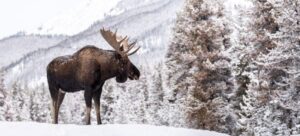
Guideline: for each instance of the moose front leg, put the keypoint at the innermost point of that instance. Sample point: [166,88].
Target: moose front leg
[88,102]
[96,98]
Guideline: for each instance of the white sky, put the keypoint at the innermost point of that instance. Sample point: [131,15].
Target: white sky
[19,15]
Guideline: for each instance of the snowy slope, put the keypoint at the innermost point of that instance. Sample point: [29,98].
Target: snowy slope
[88,12]
[38,129]
[16,47]
[77,19]
[19,46]
[149,24]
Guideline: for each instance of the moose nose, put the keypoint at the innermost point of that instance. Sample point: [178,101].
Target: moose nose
[135,77]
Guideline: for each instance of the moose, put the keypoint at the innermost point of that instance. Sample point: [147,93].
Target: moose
[88,69]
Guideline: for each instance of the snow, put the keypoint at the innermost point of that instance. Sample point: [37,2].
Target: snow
[42,129]
[150,24]
[16,47]
[77,19]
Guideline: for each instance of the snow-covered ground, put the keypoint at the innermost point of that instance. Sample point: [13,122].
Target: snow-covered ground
[39,129]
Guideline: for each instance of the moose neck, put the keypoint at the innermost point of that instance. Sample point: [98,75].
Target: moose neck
[110,66]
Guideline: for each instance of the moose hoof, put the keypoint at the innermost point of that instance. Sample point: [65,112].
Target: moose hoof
[54,122]
[88,123]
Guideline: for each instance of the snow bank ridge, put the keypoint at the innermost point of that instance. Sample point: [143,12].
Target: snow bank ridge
[42,129]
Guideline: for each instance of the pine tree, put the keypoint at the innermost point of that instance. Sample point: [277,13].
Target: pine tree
[107,104]
[155,96]
[199,70]
[17,104]
[270,104]
[39,104]
[129,101]
[3,105]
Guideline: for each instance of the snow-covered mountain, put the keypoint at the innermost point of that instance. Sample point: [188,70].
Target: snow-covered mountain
[150,24]
[77,19]
[88,12]
[74,22]
[18,46]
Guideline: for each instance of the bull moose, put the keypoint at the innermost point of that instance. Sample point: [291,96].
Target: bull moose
[88,69]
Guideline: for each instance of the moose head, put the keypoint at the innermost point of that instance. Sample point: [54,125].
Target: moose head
[122,47]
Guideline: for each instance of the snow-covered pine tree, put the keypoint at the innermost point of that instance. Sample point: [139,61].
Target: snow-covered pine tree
[107,103]
[73,108]
[258,42]
[40,104]
[130,100]
[2,99]
[179,63]
[16,100]
[137,108]
[155,96]
[117,110]
[272,101]
[254,40]
[200,77]
[238,51]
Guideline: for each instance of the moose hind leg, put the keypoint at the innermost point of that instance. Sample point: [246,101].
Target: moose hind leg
[54,97]
[96,98]
[61,96]
[88,102]
[58,103]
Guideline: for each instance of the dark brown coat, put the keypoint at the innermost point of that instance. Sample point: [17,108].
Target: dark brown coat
[87,70]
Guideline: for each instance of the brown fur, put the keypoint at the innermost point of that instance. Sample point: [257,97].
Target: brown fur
[87,70]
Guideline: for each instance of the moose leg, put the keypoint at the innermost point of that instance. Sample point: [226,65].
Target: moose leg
[54,97]
[88,102]
[53,112]
[96,98]
[58,103]
[61,96]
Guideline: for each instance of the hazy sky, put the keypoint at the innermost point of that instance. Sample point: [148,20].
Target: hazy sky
[18,15]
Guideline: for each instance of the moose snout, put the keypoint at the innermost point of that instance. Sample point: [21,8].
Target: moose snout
[135,78]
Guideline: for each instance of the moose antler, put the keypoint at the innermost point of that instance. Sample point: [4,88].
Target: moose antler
[119,43]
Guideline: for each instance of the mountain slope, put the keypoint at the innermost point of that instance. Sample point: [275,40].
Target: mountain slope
[77,19]
[149,24]
[88,12]
[16,47]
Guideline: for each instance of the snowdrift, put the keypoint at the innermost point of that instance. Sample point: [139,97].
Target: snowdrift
[41,129]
